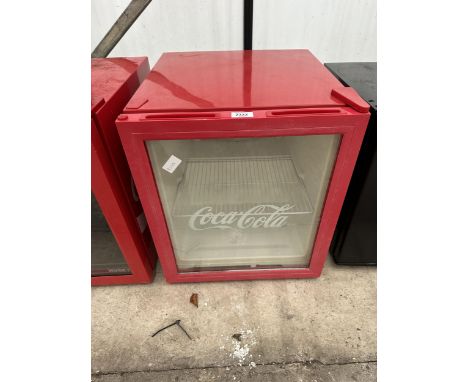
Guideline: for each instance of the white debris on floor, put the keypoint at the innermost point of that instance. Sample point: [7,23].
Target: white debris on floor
[242,345]
[240,352]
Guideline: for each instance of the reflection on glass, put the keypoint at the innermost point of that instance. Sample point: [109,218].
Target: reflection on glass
[243,203]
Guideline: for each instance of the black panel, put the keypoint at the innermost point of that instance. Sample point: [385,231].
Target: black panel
[355,238]
[248,24]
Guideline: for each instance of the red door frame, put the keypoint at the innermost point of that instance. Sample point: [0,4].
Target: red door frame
[135,129]
[112,200]
[114,81]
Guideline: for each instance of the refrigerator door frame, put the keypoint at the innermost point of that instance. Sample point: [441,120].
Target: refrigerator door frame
[113,82]
[135,129]
[112,200]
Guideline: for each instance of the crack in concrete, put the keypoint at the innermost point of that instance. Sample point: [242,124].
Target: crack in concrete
[314,362]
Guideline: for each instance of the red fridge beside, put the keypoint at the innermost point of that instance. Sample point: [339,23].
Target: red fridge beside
[122,251]
[242,160]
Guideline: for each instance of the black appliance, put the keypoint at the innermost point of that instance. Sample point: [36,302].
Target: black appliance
[355,238]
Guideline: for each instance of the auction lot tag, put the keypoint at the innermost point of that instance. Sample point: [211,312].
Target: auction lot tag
[242,114]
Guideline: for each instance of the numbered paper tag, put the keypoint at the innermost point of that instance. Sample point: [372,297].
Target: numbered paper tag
[242,114]
[171,164]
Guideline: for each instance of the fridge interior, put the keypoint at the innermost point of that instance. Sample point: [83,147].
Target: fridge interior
[243,203]
[106,256]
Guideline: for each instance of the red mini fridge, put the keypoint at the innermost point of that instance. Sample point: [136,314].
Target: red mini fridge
[122,251]
[242,160]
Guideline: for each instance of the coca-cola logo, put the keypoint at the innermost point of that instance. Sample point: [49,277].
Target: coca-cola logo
[261,216]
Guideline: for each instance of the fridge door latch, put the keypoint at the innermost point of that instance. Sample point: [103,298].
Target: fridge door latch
[351,98]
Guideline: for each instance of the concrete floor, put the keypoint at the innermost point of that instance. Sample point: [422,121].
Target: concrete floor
[303,330]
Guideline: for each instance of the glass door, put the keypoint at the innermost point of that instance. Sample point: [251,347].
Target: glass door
[106,256]
[243,203]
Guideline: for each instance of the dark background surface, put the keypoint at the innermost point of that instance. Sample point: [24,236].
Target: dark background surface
[355,239]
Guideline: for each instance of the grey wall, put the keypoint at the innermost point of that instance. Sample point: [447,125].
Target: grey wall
[334,30]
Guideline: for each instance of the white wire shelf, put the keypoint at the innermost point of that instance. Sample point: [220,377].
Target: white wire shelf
[239,184]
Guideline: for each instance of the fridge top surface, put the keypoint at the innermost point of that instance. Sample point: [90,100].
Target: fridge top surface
[109,74]
[235,80]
